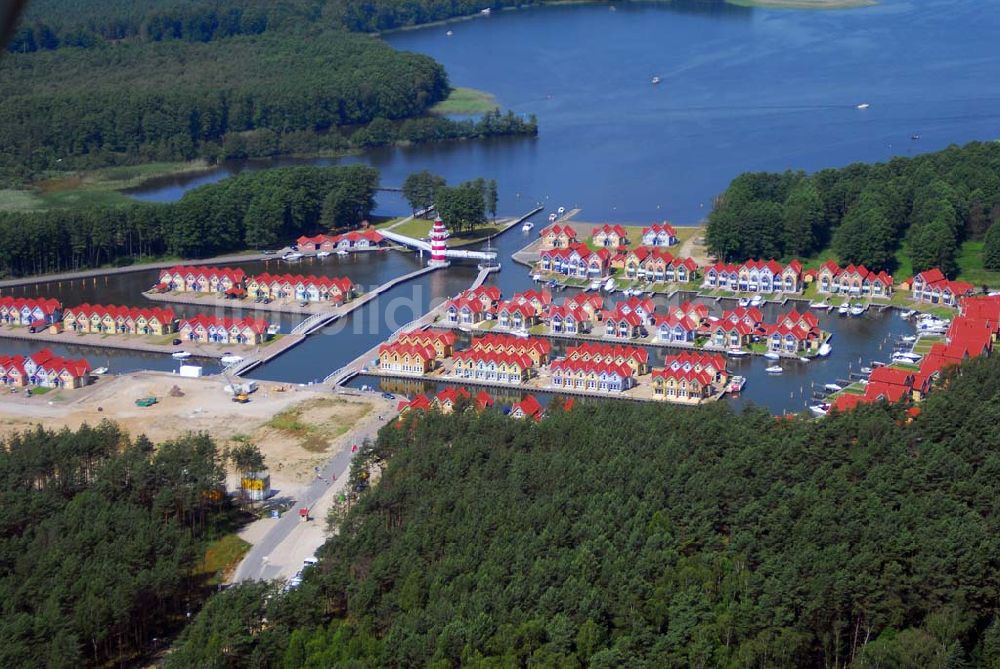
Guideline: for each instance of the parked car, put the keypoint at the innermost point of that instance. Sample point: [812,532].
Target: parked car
[176,342]
[388,396]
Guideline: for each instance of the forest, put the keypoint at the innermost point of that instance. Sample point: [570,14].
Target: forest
[252,210]
[100,538]
[866,213]
[635,535]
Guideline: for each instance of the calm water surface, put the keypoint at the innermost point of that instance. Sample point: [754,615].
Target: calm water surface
[742,89]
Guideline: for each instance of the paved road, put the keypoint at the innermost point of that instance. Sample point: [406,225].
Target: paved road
[269,558]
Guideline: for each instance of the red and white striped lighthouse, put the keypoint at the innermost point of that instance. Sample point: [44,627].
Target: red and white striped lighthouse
[439,235]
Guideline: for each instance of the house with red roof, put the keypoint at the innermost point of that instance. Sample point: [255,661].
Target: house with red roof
[483,400]
[846,402]
[676,329]
[536,348]
[516,315]
[609,236]
[420,403]
[202,279]
[769,276]
[724,276]
[576,261]
[749,316]
[527,409]
[223,330]
[659,234]
[29,310]
[12,372]
[47,370]
[442,341]
[685,386]
[473,306]
[300,288]
[558,236]
[354,240]
[932,287]
[492,366]
[445,400]
[599,376]
[114,319]
[635,357]
[406,358]
[563,319]
[794,332]
[713,363]
[854,280]
[729,334]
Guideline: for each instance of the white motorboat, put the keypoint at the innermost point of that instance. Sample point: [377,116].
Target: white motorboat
[292,256]
[833,387]
[842,309]
[744,302]
[523,334]
[561,210]
[909,313]
[824,349]
[273,329]
[863,105]
[756,301]
[909,338]
[323,254]
[774,369]
[485,12]
[771,355]
[902,356]
[609,285]
[180,355]
[736,383]
[100,371]
[528,225]
[343,252]
[552,217]
[655,80]
[858,309]
[803,358]
[595,284]
[737,353]
[820,305]
[449,34]
[866,370]
[821,409]
[231,359]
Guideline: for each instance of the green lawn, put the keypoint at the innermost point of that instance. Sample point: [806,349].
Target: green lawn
[221,557]
[970,266]
[466,101]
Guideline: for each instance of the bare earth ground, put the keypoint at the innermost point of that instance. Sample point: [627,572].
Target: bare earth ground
[315,423]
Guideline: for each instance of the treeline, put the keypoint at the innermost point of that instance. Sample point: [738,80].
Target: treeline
[99,539]
[623,534]
[463,207]
[865,212]
[128,103]
[251,210]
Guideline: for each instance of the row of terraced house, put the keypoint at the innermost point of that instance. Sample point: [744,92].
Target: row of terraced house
[614,237]
[29,311]
[43,369]
[234,283]
[348,241]
[113,319]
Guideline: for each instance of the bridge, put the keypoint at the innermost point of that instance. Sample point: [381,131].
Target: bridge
[421,245]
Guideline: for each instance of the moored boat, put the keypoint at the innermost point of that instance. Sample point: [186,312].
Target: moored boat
[756,301]
[824,349]
[744,302]
[528,225]
[820,409]
[736,383]
[231,359]
[866,370]
[833,387]
[323,254]
[180,355]
[774,369]
[737,353]
[100,371]
[842,309]
[772,355]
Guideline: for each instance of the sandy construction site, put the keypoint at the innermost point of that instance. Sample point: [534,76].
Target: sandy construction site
[296,428]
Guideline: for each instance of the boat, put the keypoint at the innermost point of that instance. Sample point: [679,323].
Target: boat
[803,358]
[866,370]
[909,339]
[824,349]
[231,359]
[485,12]
[449,33]
[737,353]
[561,210]
[523,334]
[744,302]
[100,371]
[180,355]
[655,80]
[609,285]
[820,409]
[858,309]
[833,387]
[863,105]
[273,329]
[820,305]
[902,356]
[842,309]
[909,313]
[292,256]
[528,225]
[323,254]
[595,284]
[771,355]
[552,217]
[878,363]
[774,369]
[343,252]
[736,383]
[756,301]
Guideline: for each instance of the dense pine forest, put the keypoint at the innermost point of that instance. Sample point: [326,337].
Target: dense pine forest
[865,212]
[99,542]
[249,211]
[90,85]
[636,535]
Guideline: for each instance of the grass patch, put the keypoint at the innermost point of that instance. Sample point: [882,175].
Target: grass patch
[314,432]
[466,101]
[970,266]
[221,558]
[40,390]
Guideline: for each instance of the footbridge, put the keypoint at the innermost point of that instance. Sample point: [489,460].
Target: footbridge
[421,245]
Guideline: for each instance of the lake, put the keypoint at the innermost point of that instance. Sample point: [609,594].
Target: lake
[742,89]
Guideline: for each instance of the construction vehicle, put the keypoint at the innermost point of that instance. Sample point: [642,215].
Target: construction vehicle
[242,398]
[145,401]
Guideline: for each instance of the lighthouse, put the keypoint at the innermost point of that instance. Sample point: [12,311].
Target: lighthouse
[439,245]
